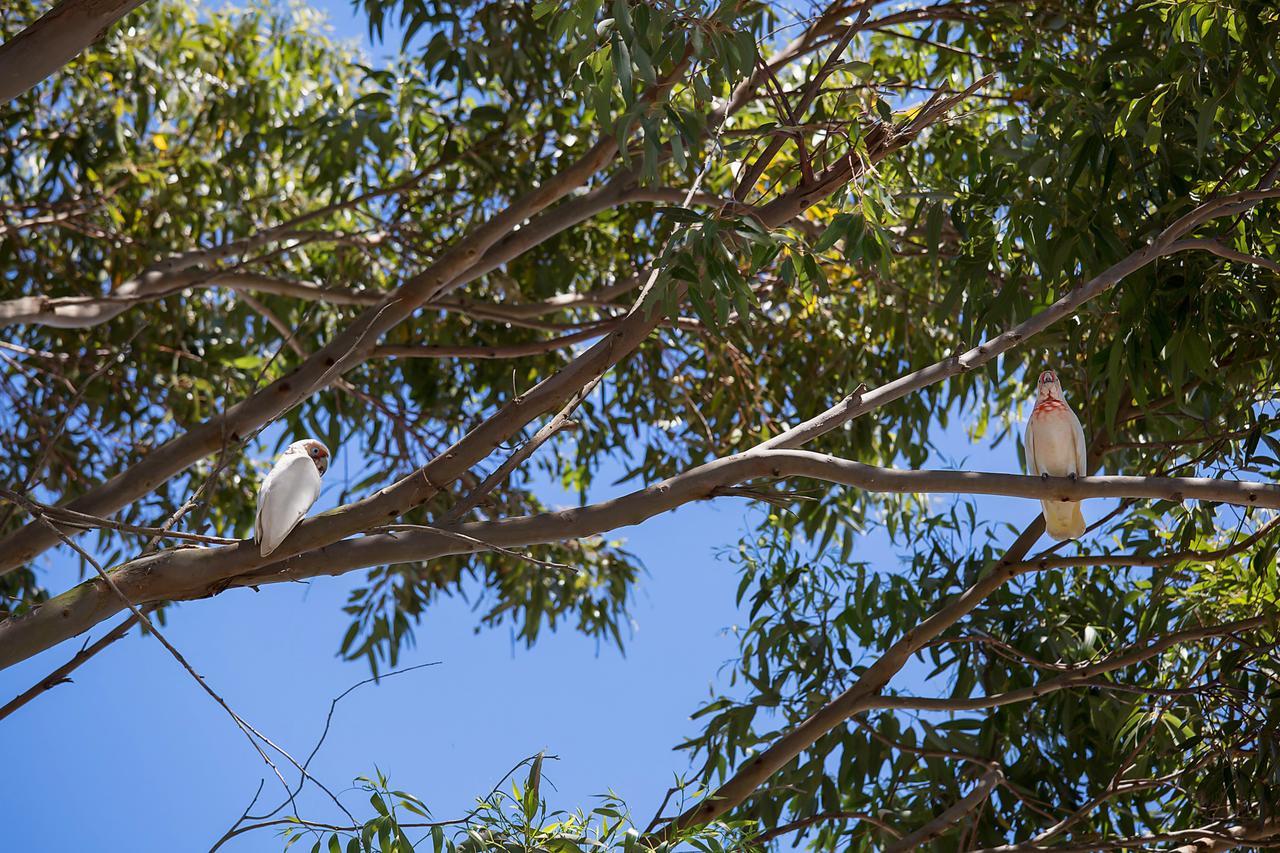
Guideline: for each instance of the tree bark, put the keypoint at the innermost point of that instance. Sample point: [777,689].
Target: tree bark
[54,40]
[187,573]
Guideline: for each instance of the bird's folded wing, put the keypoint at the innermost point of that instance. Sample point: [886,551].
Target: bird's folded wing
[1029,446]
[1082,461]
[287,493]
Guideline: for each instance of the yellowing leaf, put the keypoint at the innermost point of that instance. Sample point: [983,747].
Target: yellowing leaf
[160,141]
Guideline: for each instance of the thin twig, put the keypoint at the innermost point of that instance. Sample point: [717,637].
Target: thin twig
[488,546]
[333,706]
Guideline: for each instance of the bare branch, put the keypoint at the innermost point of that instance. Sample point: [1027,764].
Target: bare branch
[194,573]
[1218,248]
[328,721]
[1236,836]
[81,521]
[240,830]
[250,733]
[54,40]
[951,816]
[78,312]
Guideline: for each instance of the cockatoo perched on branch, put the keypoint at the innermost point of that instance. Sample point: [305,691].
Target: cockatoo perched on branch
[1055,447]
[288,491]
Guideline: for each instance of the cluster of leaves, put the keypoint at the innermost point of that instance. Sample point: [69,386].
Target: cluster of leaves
[515,821]
[586,582]
[156,139]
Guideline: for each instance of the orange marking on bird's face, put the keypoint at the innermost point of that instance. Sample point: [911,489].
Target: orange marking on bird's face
[318,452]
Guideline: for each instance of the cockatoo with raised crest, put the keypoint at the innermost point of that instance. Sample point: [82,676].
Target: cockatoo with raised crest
[288,491]
[1055,447]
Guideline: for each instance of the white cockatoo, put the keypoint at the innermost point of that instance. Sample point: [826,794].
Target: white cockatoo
[288,491]
[1055,447]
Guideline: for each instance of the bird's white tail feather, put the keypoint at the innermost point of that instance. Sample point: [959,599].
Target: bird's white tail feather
[1063,519]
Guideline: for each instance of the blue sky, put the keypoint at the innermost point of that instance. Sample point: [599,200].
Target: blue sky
[134,756]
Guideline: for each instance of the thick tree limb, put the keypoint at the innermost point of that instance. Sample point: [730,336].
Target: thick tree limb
[54,40]
[1236,836]
[199,572]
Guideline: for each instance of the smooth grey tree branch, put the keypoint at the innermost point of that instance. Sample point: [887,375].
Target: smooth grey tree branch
[200,572]
[55,39]
[1205,839]
[79,312]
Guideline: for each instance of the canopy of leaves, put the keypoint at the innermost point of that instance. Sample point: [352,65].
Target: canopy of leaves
[250,136]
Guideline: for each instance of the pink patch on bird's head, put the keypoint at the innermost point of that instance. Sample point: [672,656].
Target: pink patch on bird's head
[1048,377]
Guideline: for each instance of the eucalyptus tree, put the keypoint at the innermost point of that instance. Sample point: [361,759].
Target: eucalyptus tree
[756,252]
